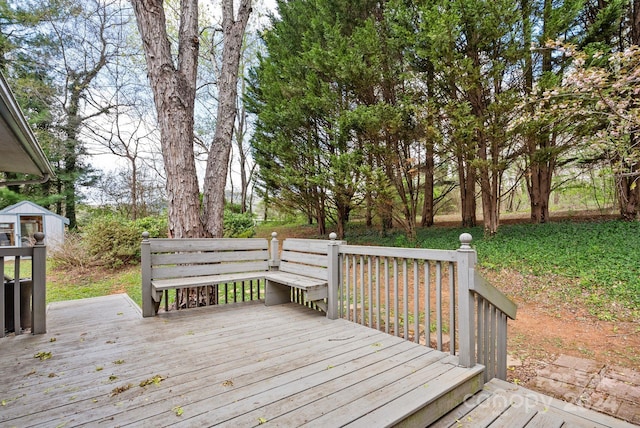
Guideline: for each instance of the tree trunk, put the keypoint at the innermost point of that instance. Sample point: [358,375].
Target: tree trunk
[467,180]
[539,185]
[629,196]
[215,179]
[174,95]
[540,153]
[427,206]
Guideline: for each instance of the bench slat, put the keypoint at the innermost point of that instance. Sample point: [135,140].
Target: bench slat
[208,257]
[305,258]
[305,270]
[306,245]
[205,270]
[159,245]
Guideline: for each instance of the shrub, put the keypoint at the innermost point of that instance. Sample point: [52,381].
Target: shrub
[115,241]
[238,225]
[72,254]
[156,226]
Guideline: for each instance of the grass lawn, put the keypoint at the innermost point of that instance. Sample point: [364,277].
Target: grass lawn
[596,263]
[65,285]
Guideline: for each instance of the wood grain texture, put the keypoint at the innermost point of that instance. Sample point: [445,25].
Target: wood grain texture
[233,365]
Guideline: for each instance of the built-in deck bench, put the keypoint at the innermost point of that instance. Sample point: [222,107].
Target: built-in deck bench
[303,265]
[171,264]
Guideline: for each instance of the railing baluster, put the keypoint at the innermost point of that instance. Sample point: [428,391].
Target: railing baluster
[480,329]
[354,274]
[416,301]
[362,297]
[502,344]
[387,293]
[405,299]
[370,292]
[17,327]
[427,303]
[439,305]
[347,274]
[378,304]
[452,311]
[487,336]
[396,303]
[494,331]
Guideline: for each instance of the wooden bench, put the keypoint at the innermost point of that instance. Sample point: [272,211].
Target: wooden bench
[303,265]
[171,264]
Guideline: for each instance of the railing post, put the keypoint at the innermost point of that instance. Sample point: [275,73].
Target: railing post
[274,259]
[39,285]
[333,277]
[148,306]
[466,303]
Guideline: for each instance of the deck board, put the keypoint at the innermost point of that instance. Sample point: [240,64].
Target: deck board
[241,365]
[235,365]
[504,405]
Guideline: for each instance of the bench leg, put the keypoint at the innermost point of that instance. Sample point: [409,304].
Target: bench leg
[276,294]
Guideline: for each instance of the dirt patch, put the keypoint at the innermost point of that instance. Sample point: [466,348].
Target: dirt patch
[552,322]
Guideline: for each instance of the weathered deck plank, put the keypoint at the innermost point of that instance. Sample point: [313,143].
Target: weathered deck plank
[504,405]
[237,365]
[243,365]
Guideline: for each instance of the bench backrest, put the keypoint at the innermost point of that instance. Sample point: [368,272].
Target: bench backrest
[180,258]
[308,257]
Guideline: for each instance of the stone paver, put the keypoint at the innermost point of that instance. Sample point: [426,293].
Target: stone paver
[608,389]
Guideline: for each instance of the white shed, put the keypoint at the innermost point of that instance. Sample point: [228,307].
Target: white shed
[19,222]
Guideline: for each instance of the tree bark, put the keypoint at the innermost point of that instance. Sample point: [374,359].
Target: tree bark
[174,90]
[217,164]
[467,180]
[427,206]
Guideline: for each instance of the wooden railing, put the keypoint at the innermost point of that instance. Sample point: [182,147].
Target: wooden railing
[433,297]
[23,300]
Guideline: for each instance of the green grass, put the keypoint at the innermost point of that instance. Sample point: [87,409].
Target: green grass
[604,256]
[63,286]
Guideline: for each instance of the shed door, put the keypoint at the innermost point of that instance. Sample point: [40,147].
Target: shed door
[29,225]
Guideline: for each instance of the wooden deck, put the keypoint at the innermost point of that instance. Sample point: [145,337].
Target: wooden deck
[234,365]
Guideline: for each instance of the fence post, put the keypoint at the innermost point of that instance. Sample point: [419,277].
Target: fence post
[148,306]
[333,277]
[39,285]
[466,303]
[274,259]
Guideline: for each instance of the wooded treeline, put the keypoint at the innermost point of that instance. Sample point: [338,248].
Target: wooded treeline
[386,106]
[152,82]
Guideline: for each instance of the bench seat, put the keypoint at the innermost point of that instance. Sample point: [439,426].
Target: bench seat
[160,285]
[315,289]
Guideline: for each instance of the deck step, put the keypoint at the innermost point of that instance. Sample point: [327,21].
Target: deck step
[425,404]
[504,405]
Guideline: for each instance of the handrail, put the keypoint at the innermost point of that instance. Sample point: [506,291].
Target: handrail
[481,286]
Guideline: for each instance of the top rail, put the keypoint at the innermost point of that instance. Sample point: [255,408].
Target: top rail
[409,253]
[493,295]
